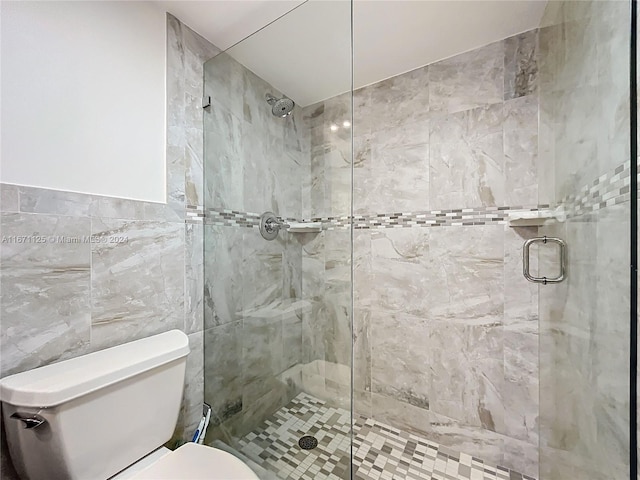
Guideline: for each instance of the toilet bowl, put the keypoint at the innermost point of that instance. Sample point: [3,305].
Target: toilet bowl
[194,462]
[106,415]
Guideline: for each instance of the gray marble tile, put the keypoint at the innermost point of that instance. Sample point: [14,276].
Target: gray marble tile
[194,278]
[547,105]
[319,203]
[468,80]
[576,131]
[466,156]
[521,354]
[400,414]
[336,308]
[292,267]
[467,380]
[110,207]
[9,198]
[520,65]
[483,443]
[175,152]
[465,274]
[46,295]
[313,263]
[580,32]
[223,178]
[401,364]
[191,409]
[520,391]
[194,166]
[261,398]
[363,286]
[223,285]
[163,212]
[175,159]
[362,173]
[315,326]
[522,457]
[610,334]
[520,296]
[338,393]
[291,340]
[331,152]
[223,382]
[362,403]
[337,260]
[521,151]
[224,83]
[400,271]
[613,84]
[262,351]
[613,135]
[393,102]
[186,55]
[41,200]
[335,305]
[337,178]
[362,350]
[263,272]
[556,463]
[259,177]
[399,174]
[136,281]
[291,171]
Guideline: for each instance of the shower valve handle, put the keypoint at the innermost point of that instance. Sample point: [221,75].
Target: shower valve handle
[270,225]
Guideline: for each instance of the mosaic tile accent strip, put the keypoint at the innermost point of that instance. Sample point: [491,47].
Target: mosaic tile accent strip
[235,218]
[379,451]
[194,214]
[609,189]
[443,218]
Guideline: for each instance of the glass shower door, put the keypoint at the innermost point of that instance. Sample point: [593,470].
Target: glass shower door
[277,361]
[584,166]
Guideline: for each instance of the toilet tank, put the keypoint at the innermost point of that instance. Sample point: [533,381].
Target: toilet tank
[102,411]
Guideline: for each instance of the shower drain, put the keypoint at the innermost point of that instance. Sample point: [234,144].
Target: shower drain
[308,442]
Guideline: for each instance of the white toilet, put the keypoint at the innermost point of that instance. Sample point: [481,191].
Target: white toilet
[107,415]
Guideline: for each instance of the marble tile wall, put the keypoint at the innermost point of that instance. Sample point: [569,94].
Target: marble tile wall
[67,297]
[445,325]
[253,300]
[584,323]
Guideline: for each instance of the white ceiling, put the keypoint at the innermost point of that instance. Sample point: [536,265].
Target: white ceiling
[226,22]
[306,54]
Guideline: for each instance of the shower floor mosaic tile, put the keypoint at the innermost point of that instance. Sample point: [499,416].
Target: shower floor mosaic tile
[380,451]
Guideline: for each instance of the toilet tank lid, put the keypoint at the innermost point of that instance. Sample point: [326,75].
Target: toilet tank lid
[60,382]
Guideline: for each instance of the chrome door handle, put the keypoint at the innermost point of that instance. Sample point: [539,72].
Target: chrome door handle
[30,420]
[525,260]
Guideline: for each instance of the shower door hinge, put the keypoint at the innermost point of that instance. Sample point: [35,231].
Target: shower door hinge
[206,102]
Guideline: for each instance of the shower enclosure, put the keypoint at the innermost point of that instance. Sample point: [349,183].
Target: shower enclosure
[278,298]
[366,310]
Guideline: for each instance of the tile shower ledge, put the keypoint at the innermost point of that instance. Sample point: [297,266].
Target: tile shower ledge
[284,307]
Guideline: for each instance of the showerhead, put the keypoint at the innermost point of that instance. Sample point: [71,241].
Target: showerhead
[280,107]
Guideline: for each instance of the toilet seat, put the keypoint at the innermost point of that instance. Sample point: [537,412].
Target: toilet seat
[197,462]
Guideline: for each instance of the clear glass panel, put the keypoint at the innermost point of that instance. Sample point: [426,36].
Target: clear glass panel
[584,174]
[278,312]
[455,350]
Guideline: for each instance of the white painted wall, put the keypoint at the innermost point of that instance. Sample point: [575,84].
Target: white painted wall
[83,97]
